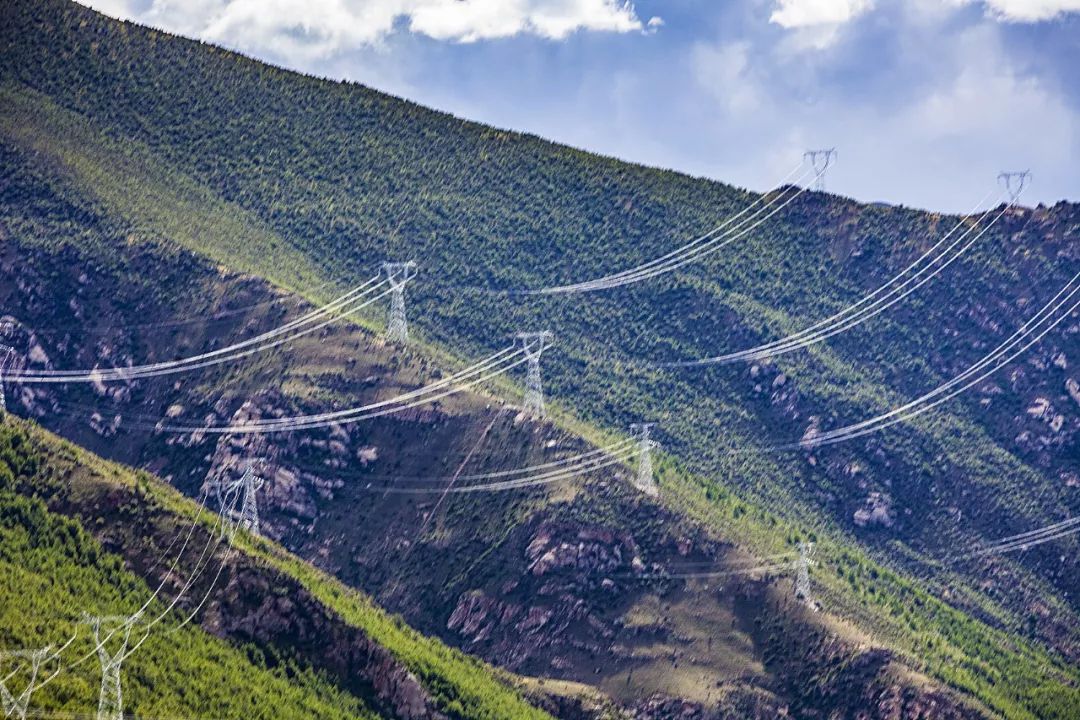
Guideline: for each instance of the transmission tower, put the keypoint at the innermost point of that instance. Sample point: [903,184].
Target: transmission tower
[802,573]
[17,705]
[7,360]
[247,517]
[1014,182]
[645,482]
[533,345]
[110,699]
[397,274]
[820,160]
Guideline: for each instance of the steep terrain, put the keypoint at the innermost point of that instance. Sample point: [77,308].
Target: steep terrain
[121,145]
[83,535]
[570,582]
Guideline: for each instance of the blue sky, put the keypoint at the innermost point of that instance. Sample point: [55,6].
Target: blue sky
[925,100]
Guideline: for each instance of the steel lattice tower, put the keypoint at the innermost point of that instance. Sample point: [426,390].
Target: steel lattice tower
[249,506]
[802,573]
[1014,182]
[397,274]
[6,362]
[533,345]
[820,160]
[645,481]
[247,517]
[110,699]
[17,705]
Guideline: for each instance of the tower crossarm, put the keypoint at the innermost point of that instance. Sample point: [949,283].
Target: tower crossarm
[820,160]
[533,344]
[1014,182]
[399,273]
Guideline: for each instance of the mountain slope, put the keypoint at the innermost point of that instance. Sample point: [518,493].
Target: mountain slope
[87,292]
[304,645]
[326,179]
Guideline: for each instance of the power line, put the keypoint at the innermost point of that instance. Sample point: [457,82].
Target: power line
[476,374]
[892,292]
[350,302]
[740,224]
[1034,329]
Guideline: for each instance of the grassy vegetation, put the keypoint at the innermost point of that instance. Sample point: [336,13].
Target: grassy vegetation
[52,570]
[1010,675]
[463,687]
[302,181]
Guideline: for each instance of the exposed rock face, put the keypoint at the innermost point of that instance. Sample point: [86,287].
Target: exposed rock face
[252,609]
[104,427]
[291,493]
[552,603]
[254,603]
[810,434]
[569,570]
[591,550]
[862,683]
[1073,388]
[877,510]
[736,703]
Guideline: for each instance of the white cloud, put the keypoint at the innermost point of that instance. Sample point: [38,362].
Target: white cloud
[815,24]
[809,13]
[1030,10]
[123,9]
[724,72]
[975,113]
[305,30]
[471,20]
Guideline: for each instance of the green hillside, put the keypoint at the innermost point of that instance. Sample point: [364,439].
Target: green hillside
[113,131]
[74,529]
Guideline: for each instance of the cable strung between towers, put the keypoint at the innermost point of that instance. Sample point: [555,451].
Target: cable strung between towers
[737,226]
[476,374]
[122,626]
[925,268]
[1053,313]
[1026,540]
[352,301]
[617,454]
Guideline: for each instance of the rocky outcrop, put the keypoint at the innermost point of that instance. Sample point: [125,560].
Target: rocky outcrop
[553,603]
[572,578]
[827,677]
[259,607]
[738,702]
[877,510]
[251,602]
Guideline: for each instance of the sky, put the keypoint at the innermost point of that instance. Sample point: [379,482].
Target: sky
[925,101]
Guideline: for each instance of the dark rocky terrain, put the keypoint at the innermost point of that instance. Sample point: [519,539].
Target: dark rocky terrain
[137,227]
